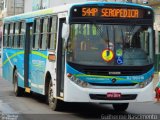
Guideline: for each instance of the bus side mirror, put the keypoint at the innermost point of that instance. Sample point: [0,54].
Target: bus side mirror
[65,31]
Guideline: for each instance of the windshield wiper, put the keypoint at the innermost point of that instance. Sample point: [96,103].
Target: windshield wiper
[108,37]
[122,38]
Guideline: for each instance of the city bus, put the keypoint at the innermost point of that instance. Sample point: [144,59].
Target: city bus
[99,52]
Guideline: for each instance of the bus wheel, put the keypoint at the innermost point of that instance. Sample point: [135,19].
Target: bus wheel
[17,90]
[120,106]
[54,103]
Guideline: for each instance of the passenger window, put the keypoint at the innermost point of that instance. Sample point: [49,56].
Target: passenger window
[16,37]
[11,35]
[22,34]
[52,33]
[36,34]
[44,33]
[8,35]
[5,35]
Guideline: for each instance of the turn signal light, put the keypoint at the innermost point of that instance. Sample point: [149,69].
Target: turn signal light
[69,75]
[51,57]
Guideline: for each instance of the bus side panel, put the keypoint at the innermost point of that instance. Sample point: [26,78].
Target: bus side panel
[37,70]
[13,58]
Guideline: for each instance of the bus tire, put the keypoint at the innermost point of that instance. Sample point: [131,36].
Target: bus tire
[18,91]
[54,104]
[120,106]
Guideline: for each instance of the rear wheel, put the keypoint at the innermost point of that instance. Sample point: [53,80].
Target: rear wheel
[54,104]
[17,90]
[120,106]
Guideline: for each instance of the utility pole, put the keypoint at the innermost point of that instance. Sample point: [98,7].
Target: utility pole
[41,4]
[14,7]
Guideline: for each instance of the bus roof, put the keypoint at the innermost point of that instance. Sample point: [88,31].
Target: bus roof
[65,8]
[114,3]
[37,13]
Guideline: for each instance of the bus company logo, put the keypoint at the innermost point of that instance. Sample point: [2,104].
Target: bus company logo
[114,80]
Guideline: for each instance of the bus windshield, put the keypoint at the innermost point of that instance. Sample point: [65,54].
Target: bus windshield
[110,45]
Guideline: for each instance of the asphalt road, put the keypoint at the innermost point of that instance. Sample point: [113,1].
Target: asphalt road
[33,107]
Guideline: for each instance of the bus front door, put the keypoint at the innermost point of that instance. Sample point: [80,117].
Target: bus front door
[60,60]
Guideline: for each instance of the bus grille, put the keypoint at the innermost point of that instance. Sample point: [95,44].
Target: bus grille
[106,72]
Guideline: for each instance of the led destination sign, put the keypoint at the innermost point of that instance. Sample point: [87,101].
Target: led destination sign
[111,12]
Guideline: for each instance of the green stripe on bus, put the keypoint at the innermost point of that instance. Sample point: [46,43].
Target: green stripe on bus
[98,76]
[39,54]
[22,52]
[12,56]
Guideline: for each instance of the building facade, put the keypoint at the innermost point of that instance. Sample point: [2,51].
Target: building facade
[9,8]
[33,5]
[12,7]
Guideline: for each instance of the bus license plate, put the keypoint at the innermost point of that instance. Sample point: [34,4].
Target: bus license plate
[113,95]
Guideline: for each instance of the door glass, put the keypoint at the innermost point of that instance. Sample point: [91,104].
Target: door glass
[31,36]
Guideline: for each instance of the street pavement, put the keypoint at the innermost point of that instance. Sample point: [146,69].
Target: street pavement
[33,107]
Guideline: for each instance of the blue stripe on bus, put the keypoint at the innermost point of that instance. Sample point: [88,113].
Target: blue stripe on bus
[108,79]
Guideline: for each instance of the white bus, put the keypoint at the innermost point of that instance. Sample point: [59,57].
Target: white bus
[99,52]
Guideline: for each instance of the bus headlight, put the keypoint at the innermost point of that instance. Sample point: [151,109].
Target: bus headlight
[78,81]
[145,83]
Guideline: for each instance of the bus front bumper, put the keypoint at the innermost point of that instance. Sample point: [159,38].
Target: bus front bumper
[75,93]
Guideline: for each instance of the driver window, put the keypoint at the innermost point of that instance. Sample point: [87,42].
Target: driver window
[136,40]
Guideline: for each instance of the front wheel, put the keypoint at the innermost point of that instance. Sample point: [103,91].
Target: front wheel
[54,104]
[120,106]
[17,90]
